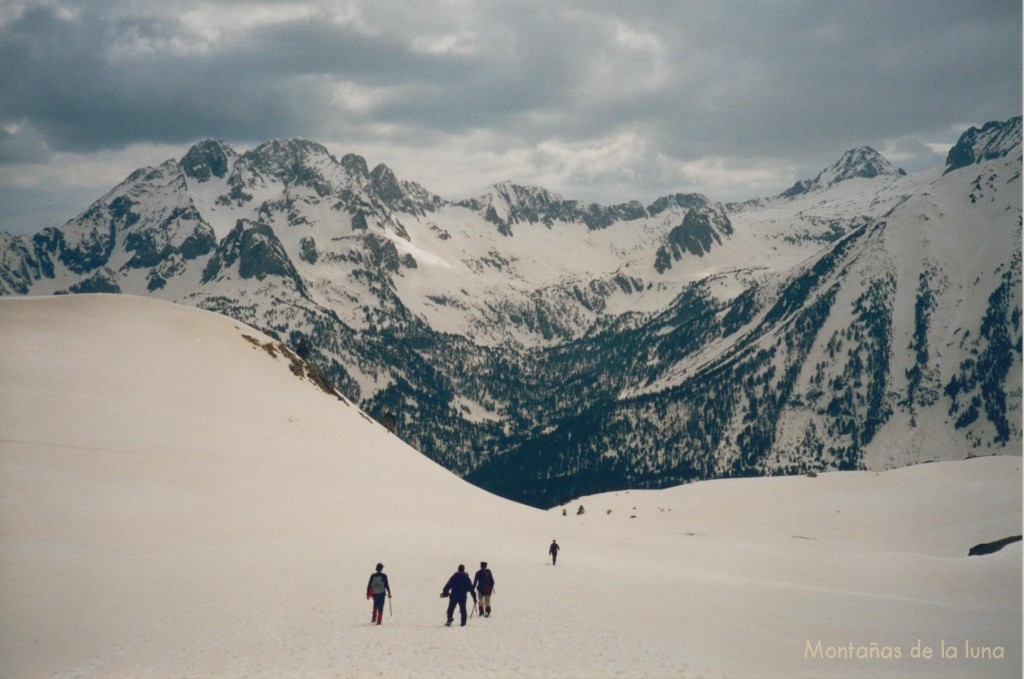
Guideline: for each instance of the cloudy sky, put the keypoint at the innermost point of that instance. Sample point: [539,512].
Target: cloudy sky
[603,101]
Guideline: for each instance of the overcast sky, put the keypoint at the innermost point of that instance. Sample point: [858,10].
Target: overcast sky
[599,101]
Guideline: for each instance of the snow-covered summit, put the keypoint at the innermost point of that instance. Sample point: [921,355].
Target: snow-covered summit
[507,203]
[289,162]
[863,162]
[517,196]
[401,195]
[994,140]
[207,159]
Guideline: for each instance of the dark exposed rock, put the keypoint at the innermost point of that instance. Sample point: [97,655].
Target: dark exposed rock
[355,165]
[257,252]
[307,250]
[994,140]
[992,547]
[702,227]
[683,200]
[103,280]
[207,159]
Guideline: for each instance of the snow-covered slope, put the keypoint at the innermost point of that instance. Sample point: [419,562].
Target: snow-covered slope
[179,497]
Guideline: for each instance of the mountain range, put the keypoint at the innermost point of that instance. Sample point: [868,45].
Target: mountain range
[546,348]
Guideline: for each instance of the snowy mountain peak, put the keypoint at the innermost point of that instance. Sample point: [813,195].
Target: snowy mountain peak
[282,156]
[208,158]
[522,196]
[683,200]
[859,162]
[355,164]
[385,183]
[401,195]
[508,203]
[862,162]
[994,140]
[291,162]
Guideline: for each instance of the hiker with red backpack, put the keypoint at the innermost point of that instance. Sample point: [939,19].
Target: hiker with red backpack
[377,588]
[483,582]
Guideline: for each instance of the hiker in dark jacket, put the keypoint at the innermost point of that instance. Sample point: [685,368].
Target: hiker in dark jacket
[456,589]
[553,551]
[377,588]
[483,582]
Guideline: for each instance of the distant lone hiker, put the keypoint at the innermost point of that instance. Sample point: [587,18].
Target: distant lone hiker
[377,588]
[553,551]
[456,589]
[483,581]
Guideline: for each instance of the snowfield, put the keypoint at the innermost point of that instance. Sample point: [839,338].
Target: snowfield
[175,501]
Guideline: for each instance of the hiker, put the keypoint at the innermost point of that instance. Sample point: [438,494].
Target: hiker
[483,582]
[553,551]
[377,587]
[457,587]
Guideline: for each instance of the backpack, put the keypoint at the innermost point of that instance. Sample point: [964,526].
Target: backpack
[485,582]
[377,583]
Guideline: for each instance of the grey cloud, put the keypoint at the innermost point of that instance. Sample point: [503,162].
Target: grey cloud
[800,77]
[24,146]
[59,75]
[33,209]
[740,78]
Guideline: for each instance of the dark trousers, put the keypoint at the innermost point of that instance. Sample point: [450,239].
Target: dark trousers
[461,602]
[378,606]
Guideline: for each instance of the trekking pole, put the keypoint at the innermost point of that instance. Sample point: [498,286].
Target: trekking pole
[391,613]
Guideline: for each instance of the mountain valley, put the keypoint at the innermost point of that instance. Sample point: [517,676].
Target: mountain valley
[545,349]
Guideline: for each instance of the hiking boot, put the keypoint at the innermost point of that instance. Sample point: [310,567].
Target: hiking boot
[448,624]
